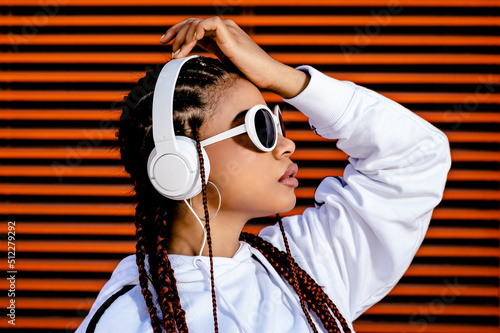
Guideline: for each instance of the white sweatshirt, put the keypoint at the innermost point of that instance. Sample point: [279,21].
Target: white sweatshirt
[357,242]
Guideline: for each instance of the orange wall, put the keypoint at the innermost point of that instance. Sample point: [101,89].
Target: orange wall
[65,63]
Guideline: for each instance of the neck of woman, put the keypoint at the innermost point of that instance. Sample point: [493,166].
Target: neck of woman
[187,234]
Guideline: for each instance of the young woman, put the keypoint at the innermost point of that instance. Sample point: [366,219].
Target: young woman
[314,272]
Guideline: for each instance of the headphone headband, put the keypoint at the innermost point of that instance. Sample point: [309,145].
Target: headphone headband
[163,100]
[173,165]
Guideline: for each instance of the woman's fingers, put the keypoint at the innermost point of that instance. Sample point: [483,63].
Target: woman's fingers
[209,33]
[209,45]
[172,31]
[216,28]
[182,36]
[187,41]
[188,33]
[180,41]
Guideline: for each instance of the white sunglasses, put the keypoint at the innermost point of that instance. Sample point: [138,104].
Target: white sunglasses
[262,126]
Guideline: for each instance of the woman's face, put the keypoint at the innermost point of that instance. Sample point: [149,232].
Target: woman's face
[248,179]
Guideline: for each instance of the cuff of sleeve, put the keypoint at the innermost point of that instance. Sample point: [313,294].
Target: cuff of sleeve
[324,100]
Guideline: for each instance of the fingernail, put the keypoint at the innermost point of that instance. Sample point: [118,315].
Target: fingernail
[194,36]
[162,37]
[174,54]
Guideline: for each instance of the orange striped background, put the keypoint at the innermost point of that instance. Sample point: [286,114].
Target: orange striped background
[65,63]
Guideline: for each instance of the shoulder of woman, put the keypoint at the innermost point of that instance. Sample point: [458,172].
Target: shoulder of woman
[127,313]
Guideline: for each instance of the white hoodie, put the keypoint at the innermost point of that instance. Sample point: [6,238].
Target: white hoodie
[356,242]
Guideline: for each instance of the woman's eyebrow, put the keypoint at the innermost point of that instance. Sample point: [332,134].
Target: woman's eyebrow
[240,115]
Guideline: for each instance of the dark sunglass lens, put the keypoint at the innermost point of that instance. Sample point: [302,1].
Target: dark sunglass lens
[265,128]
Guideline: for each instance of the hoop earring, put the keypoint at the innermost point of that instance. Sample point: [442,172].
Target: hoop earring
[190,206]
[218,208]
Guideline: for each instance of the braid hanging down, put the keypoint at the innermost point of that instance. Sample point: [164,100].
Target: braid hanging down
[198,87]
[207,227]
[295,282]
[308,289]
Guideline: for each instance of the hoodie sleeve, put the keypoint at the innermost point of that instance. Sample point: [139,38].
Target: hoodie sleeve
[366,226]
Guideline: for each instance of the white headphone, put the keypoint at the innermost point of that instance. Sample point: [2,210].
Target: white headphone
[173,165]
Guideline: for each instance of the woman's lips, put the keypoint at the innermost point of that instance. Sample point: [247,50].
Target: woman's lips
[288,177]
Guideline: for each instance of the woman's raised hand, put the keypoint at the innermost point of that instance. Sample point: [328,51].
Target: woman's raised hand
[226,39]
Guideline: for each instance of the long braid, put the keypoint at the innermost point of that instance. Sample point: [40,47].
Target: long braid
[143,275]
[279,261]
[173,315]
[170,300]
[319,294]
[311,287]
[207,227]
[294,277]
[316,297]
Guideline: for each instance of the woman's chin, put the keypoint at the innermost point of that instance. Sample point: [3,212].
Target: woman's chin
[288,206]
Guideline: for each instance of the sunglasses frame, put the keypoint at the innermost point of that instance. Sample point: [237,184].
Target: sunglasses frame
[250,129]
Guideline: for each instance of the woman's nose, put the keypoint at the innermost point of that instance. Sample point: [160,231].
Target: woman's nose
[284,147]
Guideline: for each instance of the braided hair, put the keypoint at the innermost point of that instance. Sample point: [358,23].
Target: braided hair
[198,87]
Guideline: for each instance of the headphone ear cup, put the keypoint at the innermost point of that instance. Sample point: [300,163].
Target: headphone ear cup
[176,174]
[189,149]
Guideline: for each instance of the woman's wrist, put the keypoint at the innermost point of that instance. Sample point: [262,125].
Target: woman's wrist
[290,82]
